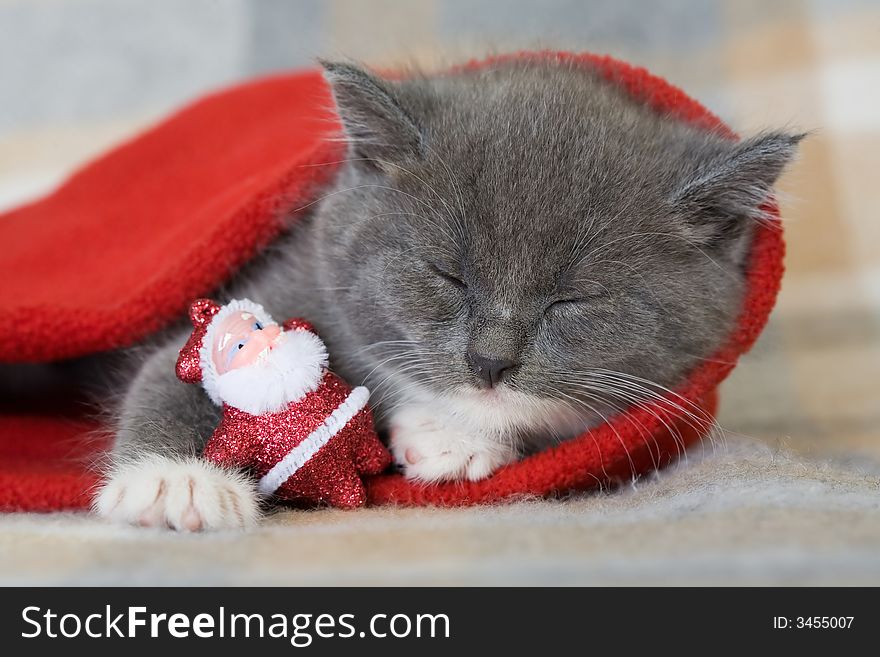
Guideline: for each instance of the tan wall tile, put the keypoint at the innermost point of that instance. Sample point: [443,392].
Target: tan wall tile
[817,234]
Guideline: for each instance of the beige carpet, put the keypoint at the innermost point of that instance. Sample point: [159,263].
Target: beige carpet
[746,514]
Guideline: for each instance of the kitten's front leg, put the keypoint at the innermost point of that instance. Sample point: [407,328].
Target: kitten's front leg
[431,446]
[155,478]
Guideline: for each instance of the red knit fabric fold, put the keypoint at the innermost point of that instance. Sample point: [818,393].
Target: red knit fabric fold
[121,248]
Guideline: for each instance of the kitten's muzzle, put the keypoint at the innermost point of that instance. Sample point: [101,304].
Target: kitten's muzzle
[490,370]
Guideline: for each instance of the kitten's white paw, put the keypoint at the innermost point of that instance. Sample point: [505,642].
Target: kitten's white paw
[186,495]
[430,450]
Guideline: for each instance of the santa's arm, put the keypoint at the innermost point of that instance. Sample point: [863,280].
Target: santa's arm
[299,324]
[228,449]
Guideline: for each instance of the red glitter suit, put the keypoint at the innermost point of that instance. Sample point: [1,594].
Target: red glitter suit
[332,473]
[313,450]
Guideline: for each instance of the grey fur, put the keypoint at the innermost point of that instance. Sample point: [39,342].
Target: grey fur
[528,211]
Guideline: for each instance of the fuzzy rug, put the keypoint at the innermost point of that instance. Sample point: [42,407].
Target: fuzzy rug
[740,514]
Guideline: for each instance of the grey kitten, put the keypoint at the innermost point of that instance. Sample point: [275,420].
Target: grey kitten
[508,256]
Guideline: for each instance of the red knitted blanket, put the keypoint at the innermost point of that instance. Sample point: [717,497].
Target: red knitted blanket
[121,248]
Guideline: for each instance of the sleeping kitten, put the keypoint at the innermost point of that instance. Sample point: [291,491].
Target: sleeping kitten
[508,256]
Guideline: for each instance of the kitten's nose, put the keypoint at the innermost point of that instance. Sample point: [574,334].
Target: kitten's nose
[490,370]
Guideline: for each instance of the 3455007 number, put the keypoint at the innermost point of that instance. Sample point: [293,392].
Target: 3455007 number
[813,622]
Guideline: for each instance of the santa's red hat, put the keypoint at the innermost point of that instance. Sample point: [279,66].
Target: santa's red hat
[189,368]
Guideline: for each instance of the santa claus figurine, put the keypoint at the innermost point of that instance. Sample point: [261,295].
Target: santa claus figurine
[301,429]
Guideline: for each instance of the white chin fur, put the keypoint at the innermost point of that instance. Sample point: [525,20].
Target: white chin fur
[505,411]
[289,371]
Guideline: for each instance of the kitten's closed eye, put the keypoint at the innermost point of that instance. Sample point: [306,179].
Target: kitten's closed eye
[574,308]
[579,299]
[444,273]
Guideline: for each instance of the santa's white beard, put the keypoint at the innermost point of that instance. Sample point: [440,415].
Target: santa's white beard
[283,374]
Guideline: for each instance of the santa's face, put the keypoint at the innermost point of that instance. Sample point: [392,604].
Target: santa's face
[242,340]
[259,368]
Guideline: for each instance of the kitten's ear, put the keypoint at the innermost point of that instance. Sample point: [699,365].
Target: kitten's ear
[375,122]
[723,195]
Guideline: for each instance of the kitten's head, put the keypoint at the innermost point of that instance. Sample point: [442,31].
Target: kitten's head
[510,237]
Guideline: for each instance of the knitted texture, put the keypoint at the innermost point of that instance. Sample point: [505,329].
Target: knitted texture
[98,265]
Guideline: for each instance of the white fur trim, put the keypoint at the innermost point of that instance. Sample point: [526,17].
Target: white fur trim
[291,370]
[299,455]
[206,359]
